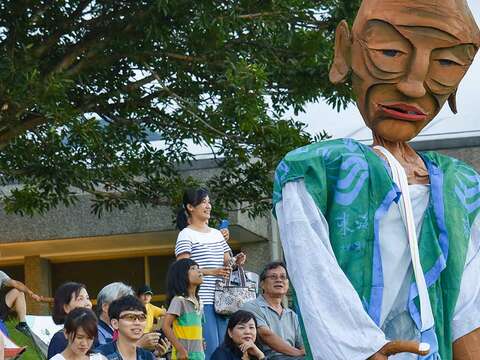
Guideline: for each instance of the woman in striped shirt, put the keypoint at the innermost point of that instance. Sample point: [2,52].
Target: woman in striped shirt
[208,247]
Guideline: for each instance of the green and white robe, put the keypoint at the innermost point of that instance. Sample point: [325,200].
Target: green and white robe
[347,251]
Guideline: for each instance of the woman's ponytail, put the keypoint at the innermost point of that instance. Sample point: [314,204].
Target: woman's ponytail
[193,197]
[182,219]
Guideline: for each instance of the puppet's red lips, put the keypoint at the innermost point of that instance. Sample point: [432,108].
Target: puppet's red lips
[403,112]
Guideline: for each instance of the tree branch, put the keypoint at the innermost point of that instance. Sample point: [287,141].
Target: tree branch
[81,47]
[31,121]
[134,85]
[250,206]
[71,57]
[185,106]
[184,57]
[258,15]
[65,24]
[127,196]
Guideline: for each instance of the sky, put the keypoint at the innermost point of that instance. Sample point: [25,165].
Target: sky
[348,123]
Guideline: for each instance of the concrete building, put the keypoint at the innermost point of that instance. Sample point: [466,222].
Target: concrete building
[136,245]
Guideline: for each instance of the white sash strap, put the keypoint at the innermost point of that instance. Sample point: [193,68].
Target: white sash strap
[400,178]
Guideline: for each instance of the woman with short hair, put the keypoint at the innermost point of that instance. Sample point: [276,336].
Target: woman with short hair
[240,339]
[80,331]
[69,296]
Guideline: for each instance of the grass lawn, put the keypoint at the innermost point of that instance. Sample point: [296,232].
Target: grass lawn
[21,340]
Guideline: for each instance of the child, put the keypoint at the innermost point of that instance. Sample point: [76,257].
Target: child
[183,321]
[80,330]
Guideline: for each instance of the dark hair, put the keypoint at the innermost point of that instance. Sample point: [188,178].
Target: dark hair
[63,296]
[125,303]
[81,318]
[177,279]
[193,197]
[238,317]
[270,266]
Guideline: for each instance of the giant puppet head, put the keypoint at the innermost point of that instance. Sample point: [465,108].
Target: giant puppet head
[407,58]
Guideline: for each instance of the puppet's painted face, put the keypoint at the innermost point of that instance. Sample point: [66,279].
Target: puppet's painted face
[405,66]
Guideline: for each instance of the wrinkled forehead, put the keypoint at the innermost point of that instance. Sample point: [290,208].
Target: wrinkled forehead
[450,16]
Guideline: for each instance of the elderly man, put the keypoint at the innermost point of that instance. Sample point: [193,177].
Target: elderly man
[278,326]
[382,242]
[105,297]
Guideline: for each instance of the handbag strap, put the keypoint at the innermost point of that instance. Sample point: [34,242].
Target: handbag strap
[241,273]
[242,276]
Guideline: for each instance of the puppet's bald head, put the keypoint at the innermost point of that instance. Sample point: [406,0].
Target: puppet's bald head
[451,16]
[407,58]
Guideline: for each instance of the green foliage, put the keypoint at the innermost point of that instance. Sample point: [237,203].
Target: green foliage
[84,84]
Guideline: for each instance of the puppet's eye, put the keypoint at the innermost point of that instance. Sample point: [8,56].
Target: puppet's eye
[447,62]
[391,53]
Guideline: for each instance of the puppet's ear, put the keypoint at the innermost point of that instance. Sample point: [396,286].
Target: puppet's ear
[341,61]
[452,102]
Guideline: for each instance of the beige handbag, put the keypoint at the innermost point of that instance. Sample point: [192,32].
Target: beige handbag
[230,297]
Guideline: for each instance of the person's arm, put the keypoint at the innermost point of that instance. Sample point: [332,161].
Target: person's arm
[467,347]
[249,348]
[158,311]
[168,331]
[226,258]
[298,335]
[183,246]
[23,288]
[226,234]
[148,341]
[338,327]
[183,250]
[2,347]
[162,347]
[185,255]
[266,335]
[277,343]
[240,258]
[466,319]
[223,272]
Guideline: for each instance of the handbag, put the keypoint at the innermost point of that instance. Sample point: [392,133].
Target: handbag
[229,297]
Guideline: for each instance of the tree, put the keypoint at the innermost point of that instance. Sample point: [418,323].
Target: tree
[85,84]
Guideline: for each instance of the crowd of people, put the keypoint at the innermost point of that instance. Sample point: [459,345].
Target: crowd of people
[126,326]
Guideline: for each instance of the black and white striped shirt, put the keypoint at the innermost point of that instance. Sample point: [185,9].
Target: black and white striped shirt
[208,250]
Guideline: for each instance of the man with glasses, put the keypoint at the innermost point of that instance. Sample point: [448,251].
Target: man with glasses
[278,326]
[128,317]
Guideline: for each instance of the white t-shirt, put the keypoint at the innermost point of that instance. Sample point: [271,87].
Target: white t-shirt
[207,249]
[3,278]
[93,356]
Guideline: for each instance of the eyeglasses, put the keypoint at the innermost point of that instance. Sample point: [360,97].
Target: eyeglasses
[133,317]
[276,277]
